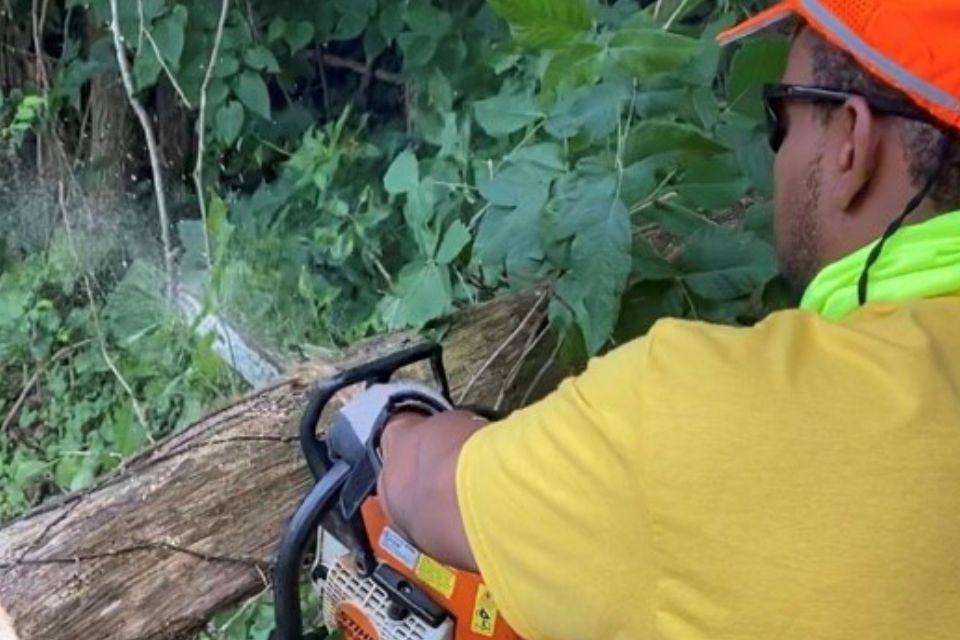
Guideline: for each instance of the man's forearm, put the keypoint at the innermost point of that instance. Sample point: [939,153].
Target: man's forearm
[418,483]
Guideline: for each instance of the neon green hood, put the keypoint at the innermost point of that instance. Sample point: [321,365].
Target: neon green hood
[919,261]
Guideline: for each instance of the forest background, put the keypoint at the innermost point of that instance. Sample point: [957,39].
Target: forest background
[315,173]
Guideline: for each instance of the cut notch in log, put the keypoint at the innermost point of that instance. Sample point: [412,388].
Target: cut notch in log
[190,526]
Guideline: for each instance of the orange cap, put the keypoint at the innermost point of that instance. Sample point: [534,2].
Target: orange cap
[913,45]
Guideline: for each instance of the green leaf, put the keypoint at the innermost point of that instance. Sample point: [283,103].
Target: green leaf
[600,264]
[713,183]
[644,52]
[422,17]
[217,92]
[298,35]
[391,21]
[260,58]
[654,137]
[509,239]
[675,219]
[588,216]
[646,303]
[135,304]
[351,25]
[86,475]
[146,68]
[758,61]
[418,49]
[252,92]
[517,184]
[592,110]
[277,29]
[545,24]
[26,471]
[648,265]
[455,240]
[424,293]
[419,212]
[440,91]
[128,435]
[227,66]
[230,122]
[403,176]
[580,201]
[14,303]
[756,162]
[506,113]
[578,64]
[169,34]
[373,44]
[722,264]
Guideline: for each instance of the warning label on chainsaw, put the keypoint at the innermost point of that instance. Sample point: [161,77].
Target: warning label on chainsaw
[436,576]
[399,548]
[484,613]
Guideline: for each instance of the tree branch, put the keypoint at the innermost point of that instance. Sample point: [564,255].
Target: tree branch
[27,388]
[202,131]
[337,62]
[152,148]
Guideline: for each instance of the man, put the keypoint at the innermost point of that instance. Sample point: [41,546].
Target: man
[795,480]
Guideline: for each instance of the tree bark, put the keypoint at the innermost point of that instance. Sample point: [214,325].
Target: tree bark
[190,526]
[175,132]
[111,141]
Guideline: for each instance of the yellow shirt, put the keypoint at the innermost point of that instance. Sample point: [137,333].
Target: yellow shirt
[797,480]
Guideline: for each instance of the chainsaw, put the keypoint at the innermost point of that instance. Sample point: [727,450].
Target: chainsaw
[373,583]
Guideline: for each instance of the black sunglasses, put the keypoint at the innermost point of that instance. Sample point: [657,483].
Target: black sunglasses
[774,95]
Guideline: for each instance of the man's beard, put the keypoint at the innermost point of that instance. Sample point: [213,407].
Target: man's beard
[798,247]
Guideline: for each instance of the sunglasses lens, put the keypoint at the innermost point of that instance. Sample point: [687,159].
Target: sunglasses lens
[776,130]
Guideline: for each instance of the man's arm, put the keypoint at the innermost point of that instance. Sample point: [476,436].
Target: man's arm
[545,503]
[418,485]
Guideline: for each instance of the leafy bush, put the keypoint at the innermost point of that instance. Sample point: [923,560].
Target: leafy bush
[586,146]
[370,165]
[68,415]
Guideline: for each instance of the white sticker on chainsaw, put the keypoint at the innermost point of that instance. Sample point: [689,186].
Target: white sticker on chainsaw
[399,548]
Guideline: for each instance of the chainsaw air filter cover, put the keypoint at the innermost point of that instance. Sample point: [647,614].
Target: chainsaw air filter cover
[362,609]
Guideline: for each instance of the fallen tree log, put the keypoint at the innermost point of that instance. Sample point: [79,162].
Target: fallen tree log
[191,525]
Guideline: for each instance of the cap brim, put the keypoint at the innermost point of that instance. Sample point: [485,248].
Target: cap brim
[767,19]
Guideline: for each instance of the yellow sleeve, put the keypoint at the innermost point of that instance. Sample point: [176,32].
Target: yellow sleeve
[552,502]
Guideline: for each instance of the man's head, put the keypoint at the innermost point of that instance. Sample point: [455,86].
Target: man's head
[845,171]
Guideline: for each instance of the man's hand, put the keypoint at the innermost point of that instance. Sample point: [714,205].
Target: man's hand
[418,484]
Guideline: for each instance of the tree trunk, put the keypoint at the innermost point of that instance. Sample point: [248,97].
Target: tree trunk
[15,54]
[175,132]
[110,157]
[190,526]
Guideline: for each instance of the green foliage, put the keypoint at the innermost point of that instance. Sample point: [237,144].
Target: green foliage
[374,165]
[20,114]
[539,147]
[545,23]
[76,420]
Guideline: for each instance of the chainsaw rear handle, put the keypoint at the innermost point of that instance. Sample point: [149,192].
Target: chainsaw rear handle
[377,372]
[302,528]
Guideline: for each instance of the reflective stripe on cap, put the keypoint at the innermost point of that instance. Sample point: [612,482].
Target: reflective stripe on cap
[885,66]
[766,19]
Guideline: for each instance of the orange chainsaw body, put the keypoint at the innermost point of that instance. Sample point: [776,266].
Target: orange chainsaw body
[462,594]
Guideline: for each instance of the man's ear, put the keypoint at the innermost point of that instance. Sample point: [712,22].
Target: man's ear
[857,156]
